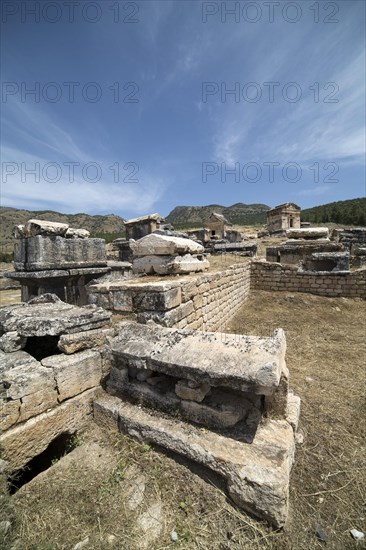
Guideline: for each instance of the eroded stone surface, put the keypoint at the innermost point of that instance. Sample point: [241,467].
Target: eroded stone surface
[75,373]
[198,394]
[73,233]
[246,363]
[70,343]
[52,319]
[308,233]
[42,227]
[170,265]
[161,245]
[12,341]
[257,474]
[40,252]
[24,441]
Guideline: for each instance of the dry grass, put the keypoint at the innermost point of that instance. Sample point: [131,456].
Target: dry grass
[88,493]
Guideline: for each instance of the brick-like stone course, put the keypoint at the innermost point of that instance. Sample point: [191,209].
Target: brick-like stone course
[274,276]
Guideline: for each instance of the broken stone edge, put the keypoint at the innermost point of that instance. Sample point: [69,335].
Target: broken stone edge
[257,474]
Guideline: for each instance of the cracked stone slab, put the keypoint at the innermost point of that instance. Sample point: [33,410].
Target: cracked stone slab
[22,442]
[245,363]
[75,373]
[40,252]
[51,318]
[257,474]
[26,388]
[162,245]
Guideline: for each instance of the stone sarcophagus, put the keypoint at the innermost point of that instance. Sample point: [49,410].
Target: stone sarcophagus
[55,252]
[225,404]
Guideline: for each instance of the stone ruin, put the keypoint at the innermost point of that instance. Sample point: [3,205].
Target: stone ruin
[236,387]
[301,245]
[219,399]
[54,258]
[53,359]
[326,262]
[165,255]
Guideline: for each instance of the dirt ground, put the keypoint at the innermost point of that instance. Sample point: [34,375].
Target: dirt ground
[125,495]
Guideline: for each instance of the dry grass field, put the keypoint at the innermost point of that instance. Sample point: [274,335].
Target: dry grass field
[125,495]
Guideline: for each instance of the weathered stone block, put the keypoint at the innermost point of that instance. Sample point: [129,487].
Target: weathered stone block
[246,363]
[70,343]
[257,474]
[161,245]
[75,373]
[198,393]
[42,227]
[39,253]
[41,319]
[30,390]
[23,442]
[12,341]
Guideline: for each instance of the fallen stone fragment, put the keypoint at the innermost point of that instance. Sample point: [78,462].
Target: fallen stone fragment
[81,544]
[12,341]
[73,233]
[198,394]
[70,343]
[357,535]
[52,319]
[320,533]
[41,227]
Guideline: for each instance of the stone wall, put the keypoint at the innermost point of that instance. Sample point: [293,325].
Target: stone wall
[203,301]
[274,276]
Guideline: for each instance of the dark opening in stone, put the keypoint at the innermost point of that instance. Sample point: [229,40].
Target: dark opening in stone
[59,447]
[42,346]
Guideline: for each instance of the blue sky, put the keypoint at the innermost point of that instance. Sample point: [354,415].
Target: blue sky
[131,110]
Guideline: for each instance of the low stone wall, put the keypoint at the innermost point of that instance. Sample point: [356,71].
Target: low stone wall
[274,276]
[201,302]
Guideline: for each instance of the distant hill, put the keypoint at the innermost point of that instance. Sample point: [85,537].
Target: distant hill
[350,212]
[186,217]
[108,227]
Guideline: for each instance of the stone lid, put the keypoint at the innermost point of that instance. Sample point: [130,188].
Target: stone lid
[162,245]
[246,363]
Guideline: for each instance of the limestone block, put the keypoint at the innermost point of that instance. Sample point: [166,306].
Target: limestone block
[308,233]
[257,474]
[21,443]
[70,343]
[41,319]
[42,253]
[169,318]
[156,301]
[246,363]
[187,264]
[75,373]
[152,264]
[30,390]
[213,417]
[169,265]
[293,410]
[12,341]
[41,227]
[276,404]
[184,391]
[72,233]
[161,245]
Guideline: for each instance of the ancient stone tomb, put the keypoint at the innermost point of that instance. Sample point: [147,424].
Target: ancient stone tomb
[221,400]
[52,360]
